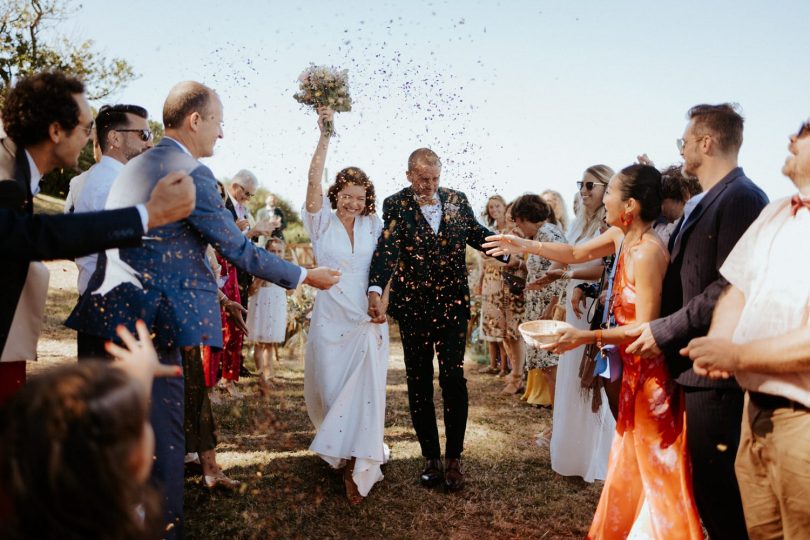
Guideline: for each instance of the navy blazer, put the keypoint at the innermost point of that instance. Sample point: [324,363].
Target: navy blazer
[428,271]
[25,237]
[170,285]
[693,283]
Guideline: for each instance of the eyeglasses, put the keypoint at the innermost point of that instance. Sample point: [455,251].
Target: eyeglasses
[89,129]
[145,134]
[804,130]
[589,185]
[681,143]
[245,192]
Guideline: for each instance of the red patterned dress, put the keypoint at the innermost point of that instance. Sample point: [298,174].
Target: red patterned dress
[230,354]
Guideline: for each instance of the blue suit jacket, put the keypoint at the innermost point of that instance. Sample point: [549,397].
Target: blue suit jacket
[167,282]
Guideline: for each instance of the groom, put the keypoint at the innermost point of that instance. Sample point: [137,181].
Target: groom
[421,251]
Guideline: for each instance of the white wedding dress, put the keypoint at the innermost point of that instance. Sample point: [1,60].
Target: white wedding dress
[346,355]
[580,438]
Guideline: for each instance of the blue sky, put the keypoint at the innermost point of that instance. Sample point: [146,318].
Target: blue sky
[516,96]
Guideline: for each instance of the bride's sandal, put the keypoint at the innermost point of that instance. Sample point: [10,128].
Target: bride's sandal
[352,492]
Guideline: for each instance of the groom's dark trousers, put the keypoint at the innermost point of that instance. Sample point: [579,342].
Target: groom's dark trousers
[448,339]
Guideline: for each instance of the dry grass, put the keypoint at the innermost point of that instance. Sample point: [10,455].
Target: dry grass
[291,493]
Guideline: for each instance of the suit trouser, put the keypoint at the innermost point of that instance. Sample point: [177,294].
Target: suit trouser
[773,470]
[199,423]
[713,421]
[166,416]
[448,339]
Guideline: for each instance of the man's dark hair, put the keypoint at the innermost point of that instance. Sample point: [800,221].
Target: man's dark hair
[111,117]
[676,186]
[36,102]
[532,208]
[184,99]
[723,121]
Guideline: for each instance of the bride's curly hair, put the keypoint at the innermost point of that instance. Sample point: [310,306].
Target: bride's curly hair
[353,176]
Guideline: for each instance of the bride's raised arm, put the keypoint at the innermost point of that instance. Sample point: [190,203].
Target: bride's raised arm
[601,246]
[314,189]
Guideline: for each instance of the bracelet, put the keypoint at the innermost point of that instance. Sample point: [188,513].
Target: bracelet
[568,274]
[598,334]
[539,248]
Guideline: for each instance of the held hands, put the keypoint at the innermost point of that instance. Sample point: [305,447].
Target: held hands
[376,308]
[645,345]
[138,357]
[506,244]
[325,115]
[715,358]
[172,199]
[322,277]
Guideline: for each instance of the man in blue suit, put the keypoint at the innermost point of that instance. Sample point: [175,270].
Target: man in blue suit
[167,281]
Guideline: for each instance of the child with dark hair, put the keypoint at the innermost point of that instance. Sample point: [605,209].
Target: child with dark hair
[77,448]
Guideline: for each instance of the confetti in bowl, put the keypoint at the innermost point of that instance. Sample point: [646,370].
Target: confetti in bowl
[539,333]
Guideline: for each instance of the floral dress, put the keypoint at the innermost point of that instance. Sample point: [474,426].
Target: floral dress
[538,301]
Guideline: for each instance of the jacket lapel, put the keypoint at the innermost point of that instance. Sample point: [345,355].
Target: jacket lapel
[709,199]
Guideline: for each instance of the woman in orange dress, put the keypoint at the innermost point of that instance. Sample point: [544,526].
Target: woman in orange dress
[648,489]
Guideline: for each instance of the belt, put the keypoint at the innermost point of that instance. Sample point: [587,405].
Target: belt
[769,401]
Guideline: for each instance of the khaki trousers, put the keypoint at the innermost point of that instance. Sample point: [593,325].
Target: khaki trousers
[773,471]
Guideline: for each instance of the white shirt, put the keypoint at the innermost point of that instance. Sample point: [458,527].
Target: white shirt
[92,198]
[769,265]
[36,176]
[433,215]
[76,185]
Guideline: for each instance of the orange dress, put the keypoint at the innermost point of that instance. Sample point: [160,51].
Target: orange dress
[648,489]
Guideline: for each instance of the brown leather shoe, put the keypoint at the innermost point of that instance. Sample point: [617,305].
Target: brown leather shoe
[454,475]
[432,473]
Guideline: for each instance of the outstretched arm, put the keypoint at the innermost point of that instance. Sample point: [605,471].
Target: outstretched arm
[601,246]
[314,190]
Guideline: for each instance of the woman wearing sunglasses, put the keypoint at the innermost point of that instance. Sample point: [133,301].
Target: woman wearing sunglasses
[648,489]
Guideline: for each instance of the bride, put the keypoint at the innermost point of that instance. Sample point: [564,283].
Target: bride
[347,354]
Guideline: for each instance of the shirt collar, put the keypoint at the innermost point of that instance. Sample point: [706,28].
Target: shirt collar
[178,143]
[111,163]
[36,176]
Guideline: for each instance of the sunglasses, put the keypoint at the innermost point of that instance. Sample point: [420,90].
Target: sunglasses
[804,130]
[589,185]
[145,134]
[247,193]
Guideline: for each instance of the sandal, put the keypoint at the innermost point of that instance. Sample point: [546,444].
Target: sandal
[352,492]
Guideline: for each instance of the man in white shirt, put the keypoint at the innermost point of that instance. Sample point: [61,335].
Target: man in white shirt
[760,334]
[122,133]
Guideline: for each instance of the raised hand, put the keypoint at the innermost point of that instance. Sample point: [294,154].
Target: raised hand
[322,277]
[138,357]
[644,160]
[506,244]
[172,199]
[325,118]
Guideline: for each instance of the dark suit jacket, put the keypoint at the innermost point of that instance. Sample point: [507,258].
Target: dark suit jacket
[428,271]
[25,237]
[693,282]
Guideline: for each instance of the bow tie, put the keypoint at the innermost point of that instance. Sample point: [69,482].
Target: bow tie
[797,202]
[427,201]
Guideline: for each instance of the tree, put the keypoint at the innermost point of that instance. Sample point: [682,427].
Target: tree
[23,49]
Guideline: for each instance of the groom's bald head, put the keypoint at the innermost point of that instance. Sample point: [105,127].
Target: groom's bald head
[186,98]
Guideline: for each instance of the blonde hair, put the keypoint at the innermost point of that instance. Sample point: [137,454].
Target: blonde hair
[490,221]
[558,206]
[587,226]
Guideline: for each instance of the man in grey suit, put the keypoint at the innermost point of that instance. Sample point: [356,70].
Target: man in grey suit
[712,223]
[167,282]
